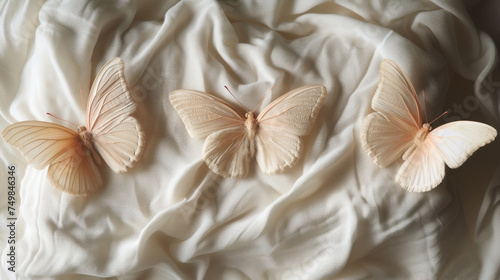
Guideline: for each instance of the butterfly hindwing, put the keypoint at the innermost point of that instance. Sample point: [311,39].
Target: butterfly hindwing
[75,172]
[385,140]
[227,152]
[121,144]
[275,151]
[423,170]
[118,137]
[47,144]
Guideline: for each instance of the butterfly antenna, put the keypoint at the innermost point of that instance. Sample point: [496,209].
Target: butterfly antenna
[438,117]
[263,99]
[425,109]
[236,99]
[62,119]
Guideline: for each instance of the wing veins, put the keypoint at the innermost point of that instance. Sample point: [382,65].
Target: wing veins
[102,101]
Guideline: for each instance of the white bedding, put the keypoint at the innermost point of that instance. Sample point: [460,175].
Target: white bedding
[335,215]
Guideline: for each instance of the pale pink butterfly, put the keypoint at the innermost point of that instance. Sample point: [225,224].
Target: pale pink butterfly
[395,129]
[232,139]
[111,133]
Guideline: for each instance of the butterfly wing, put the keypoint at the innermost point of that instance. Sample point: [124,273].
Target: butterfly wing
[227,152]
[423,170]
[388,132]
[118,137]
[282,123]
[396,96]
[204,114]
[226,149]
[457,141]
[71,168]
[385,139]
[452,144]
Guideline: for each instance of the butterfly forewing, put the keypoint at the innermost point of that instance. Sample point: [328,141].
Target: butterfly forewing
[47,144]
[294,112]
[395,96]
[109,97]
[40,142]
[203,114]
[118,137]
[457,141]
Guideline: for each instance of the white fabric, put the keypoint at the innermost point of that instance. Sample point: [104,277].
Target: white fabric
[335,215]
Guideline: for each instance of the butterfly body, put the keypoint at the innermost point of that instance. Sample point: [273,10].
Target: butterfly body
[111,135]
[232,139]
[88,142]
[251,126]
[418,140]
[395,129]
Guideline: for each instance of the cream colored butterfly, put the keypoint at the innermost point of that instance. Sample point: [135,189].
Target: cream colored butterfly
[111,133]
[396,130]
[232,139]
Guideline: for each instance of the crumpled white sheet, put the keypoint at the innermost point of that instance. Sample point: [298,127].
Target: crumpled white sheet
[335,215]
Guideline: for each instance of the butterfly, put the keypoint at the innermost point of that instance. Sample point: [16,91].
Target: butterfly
[395,129]
[232,139]
[111,134]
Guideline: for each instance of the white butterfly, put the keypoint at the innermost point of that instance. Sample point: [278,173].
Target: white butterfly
[396,129]
[111,133]
[232,139]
